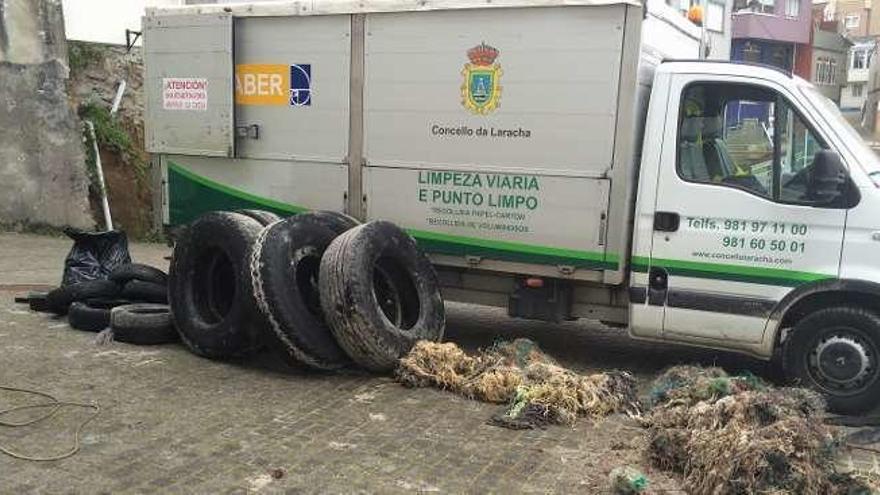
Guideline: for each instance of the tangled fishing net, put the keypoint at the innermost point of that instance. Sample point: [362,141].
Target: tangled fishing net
[537,390]
[733,435]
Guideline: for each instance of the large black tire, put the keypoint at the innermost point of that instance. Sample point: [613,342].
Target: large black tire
[210,290]
[836,351]
[380,294]
[107,303]
[136,271]
[60,299]
[81,316]
[334,220]
[284,265]
[143,324]
[138,290]
[264,217]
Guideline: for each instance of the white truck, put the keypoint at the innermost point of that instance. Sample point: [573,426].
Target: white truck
[550,156]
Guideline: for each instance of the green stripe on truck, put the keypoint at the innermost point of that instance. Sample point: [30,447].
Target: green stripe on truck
[736,273]
[455,245]
[191,195]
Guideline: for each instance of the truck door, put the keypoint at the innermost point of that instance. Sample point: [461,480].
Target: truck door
[734,227]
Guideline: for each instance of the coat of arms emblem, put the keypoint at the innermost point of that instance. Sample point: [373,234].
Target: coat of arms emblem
[481,90]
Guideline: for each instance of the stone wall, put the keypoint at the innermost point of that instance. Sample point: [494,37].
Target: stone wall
[96,70]
[42,175]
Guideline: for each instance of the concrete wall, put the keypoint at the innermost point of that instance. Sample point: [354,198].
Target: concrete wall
[42,172]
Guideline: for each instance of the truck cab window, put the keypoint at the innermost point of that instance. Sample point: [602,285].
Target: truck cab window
[744,137]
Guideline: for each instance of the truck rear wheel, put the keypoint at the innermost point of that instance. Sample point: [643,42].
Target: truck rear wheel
[210,290]
[284,267]
[380,294]
[835,351]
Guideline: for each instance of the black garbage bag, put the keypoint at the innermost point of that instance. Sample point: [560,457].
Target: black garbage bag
[94,255]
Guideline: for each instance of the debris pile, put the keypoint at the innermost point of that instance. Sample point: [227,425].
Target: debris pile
[518,373]
[727,434]
[627,480]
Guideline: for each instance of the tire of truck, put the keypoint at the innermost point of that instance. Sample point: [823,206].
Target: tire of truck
[212,301]
[138,290]
[380,294]
[836,351]
[264,217]
[143,324]
[334,220]
[136,271]
[38,301]
[81,316]
[60,299]
[285,262]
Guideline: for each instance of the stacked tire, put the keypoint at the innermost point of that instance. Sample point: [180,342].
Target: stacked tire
[116,304]
[319,288]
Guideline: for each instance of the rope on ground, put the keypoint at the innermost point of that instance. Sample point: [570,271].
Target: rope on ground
[52,407]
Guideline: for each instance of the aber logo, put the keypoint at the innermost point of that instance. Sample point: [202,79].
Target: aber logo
[481,90]
[273,84]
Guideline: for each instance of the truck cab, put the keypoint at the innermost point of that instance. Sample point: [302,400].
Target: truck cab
[756,226]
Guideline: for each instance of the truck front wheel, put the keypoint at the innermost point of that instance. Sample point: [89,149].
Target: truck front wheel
[835,352]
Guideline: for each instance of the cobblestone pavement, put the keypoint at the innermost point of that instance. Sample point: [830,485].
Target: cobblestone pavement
[171,422]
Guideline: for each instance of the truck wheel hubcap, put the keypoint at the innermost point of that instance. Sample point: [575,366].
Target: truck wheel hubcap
[842,361]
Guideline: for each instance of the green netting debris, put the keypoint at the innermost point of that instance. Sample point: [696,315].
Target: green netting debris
[627,480]
[735,435]
[537,390]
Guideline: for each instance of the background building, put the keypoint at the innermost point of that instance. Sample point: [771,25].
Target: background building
[774,32]
[717,22]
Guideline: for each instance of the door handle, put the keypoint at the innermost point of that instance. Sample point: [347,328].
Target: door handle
[665,221]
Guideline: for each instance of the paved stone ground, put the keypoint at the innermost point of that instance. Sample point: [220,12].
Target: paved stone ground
[174,423]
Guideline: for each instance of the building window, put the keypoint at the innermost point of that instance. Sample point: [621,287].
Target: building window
[856,90]
[826,71]
[793,8]
[851,21]
[715,17]
[861,59]
[758,6]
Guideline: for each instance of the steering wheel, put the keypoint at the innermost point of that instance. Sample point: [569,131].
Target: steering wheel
[800,177]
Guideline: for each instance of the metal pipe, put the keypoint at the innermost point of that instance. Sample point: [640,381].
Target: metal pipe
[118,99]
[105,205]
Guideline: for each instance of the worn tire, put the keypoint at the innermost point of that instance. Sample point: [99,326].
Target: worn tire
[60,299]
[136,271]
[81,316]
[334,220]
[827,347]
[264,217]
[371,275]
[285,262]
[138,290]
[143,324]
[210,290]
[107,303]
[38,301]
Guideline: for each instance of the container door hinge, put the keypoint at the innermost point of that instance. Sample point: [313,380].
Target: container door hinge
[247,131]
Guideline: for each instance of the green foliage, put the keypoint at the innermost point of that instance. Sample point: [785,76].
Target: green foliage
[82,55]
[111,135]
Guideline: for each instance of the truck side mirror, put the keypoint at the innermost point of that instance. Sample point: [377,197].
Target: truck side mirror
[827,178]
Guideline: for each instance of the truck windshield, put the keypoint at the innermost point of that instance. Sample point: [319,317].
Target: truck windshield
[867,158]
